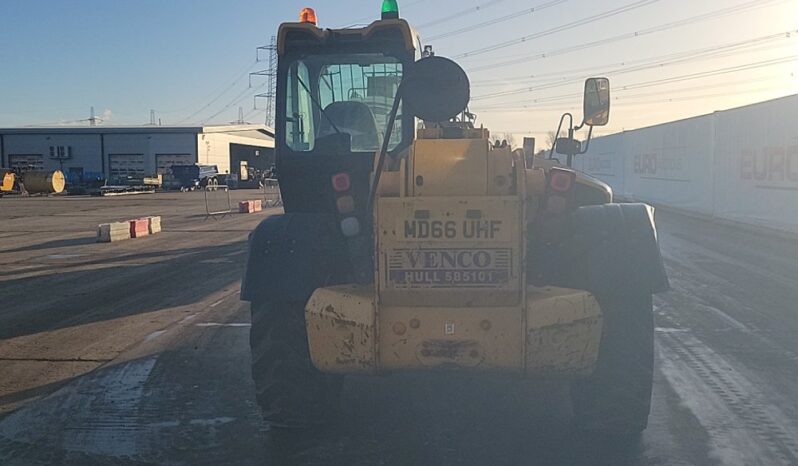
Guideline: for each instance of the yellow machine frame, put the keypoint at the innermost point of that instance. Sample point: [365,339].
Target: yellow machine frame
[450,288]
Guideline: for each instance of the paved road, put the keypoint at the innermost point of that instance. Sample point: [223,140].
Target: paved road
[725,391]
[134,351]
[158,373]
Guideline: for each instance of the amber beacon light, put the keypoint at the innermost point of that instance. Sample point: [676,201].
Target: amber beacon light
[307,15]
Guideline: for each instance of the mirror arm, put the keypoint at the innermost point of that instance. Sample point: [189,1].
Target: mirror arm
[384,149]
[587,143]
[557,134]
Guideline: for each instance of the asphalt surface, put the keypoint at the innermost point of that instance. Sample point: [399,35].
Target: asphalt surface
[136,353]
[129,352]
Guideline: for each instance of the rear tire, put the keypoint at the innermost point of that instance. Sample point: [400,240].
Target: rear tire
[616,398]
[291,392]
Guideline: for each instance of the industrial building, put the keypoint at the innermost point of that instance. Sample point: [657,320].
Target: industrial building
[109,151]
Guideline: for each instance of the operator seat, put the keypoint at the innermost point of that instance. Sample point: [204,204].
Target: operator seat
[354,118]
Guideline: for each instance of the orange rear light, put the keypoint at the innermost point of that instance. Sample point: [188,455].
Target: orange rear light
[307,15]
[345,204]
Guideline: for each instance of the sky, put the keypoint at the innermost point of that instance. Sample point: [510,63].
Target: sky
[188,60]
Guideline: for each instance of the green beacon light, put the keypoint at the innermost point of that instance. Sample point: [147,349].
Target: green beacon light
[390,9]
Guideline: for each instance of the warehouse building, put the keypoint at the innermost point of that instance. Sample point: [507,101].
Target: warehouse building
[109,151]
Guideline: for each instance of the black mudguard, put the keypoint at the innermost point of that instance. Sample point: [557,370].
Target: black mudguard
[608,249]
[291,255]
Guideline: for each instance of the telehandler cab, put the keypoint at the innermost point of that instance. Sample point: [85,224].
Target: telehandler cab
[409,242]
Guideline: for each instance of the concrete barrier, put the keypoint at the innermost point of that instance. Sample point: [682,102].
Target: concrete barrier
[136,228]
[110,232]
[154,224]
[246,207]
[250,206]
[139,227]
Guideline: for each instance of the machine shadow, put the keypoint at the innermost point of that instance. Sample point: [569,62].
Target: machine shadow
[72,298]
[453,419]
[61,243]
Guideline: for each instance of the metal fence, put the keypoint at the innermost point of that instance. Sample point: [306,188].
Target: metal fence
[217,200]
[271,193]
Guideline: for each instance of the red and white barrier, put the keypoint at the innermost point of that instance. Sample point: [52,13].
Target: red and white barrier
[136,228]
[246,207]
[139,227]
[251,206]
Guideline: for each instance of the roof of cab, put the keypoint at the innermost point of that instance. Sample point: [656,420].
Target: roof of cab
[411,37]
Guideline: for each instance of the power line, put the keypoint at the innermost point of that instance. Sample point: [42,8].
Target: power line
[683,57]
[269,73]
[498,20]
[695,97]
[670,80]
[711,51]
[631,35]
[219,95]
[238,98]
[718,72]
[576,98]
[650,102]
[703,87]
[563,27]
[459,14]
[253,112]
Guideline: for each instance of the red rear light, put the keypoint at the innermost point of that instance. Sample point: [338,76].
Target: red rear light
[561,180]
[341,182]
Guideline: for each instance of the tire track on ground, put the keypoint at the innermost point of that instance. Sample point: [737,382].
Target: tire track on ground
[745,425]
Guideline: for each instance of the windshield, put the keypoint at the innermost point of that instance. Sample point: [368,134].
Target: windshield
[351,93]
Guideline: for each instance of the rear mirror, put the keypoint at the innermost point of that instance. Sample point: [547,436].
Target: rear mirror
[568,146]
[597,101]
[435,89]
